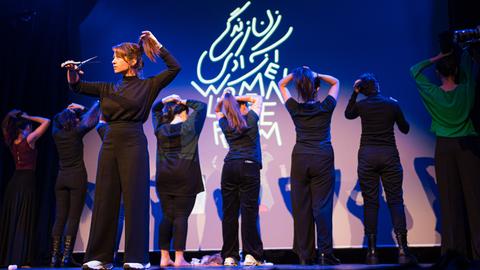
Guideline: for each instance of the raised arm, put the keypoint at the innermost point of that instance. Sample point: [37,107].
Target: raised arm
[282,84]
[351,112]
[255,100]
[402,123]
[423,83]
[218,109]
[162,79]
[334,84]
[39,131]
[197,118]
[95,89]
[90,118]
[157,113]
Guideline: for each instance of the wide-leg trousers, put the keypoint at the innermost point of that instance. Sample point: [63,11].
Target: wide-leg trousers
[123,169]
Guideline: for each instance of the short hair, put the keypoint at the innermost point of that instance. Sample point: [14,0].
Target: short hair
[368,84]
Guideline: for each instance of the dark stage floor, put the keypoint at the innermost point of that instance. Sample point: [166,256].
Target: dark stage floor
[281,266]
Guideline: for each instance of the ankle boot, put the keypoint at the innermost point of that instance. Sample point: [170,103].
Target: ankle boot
[67,260]
[404,255]
[372,256]
[55,252]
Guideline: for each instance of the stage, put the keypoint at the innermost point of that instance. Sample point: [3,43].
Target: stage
[287,266]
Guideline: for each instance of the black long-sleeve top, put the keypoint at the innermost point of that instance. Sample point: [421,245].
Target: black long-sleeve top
[70,142]
[178,163]
[378,114]
[131,98]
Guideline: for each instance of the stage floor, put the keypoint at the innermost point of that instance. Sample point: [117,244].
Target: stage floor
[281,266]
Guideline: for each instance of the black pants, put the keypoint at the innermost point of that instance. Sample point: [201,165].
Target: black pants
[174,224]
[70,191]
[240,191]
[123,168]
[312,181]
[457,168]
[375,163]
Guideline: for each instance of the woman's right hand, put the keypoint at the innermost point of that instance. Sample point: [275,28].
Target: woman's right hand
[73,71]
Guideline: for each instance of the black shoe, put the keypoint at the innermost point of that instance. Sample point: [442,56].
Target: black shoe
[306,261]
[404,255]
[67,259]
[372,256]
[328,259]
[56,256]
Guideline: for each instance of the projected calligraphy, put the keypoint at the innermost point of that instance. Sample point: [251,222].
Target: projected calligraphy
[246,57]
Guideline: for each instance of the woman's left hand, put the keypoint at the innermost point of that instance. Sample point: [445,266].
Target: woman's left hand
[149,35]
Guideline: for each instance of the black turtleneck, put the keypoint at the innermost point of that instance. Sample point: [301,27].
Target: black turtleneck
[131,98]
[378,114]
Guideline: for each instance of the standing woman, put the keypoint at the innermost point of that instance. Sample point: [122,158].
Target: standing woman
[457,149]
[18,213]
[313,173]
[241,176]
[178,177]
[123,166]
[69,128]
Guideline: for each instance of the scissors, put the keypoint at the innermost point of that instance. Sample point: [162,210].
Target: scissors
[79,64]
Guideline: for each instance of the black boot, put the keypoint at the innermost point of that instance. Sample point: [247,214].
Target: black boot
[67,260]
[404,255]
[372,256]
[328,259]
[56,256]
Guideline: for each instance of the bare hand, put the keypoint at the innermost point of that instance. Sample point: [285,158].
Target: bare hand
[149,35]
[71,65]
[174,97]
[355,86]
[440,56]
[74,106]
[14,113]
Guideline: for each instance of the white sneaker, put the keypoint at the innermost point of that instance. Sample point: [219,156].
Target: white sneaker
[229,261]
[250,261]
[97,265]
[136,266]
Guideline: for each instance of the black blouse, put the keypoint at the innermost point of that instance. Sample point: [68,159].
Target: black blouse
[178,163]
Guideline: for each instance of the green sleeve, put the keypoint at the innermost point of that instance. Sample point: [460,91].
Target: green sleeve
[426,88]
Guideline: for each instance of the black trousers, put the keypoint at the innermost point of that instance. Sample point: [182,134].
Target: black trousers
[70,191]
[174,224]
[457,168]
[240,192]
[123,169]
[312,181]
[375,163]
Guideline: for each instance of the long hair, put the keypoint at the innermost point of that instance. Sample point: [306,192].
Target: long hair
[306,83]
[171,109]
[12,126]
[133,51]
[231,110]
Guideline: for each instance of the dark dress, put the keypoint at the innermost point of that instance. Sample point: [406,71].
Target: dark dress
[123,166]
[18,215]
[71,185]
[178,177]
[240,186]
[312,177]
